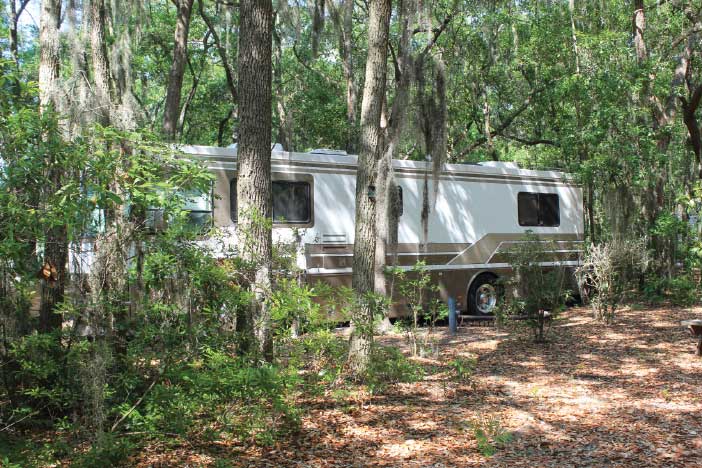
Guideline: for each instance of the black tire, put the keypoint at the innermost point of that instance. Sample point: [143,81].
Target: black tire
[484,295]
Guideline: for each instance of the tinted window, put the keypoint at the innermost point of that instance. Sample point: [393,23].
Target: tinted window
[292,202]
[549,212]
[528,208]
[400,202]
[232,200]
[538,209]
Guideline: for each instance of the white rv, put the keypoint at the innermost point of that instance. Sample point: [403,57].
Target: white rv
[477,212]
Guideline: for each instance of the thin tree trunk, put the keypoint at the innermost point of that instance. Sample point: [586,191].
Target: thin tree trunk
[100,62]
[317,25]
[639,28]
[55,248]
[285,131]
[254,163]
[371,145]
[14,15]
[386,205]
[222,50]
[342,16]
[175,77]
[488,127]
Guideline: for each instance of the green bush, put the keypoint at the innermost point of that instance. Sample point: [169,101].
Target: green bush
[420,295]
[490,435]
[248,401]
[679,291]
[462,369]
[538,291]
[388,366]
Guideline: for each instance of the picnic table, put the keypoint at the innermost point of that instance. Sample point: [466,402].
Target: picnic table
[695,328]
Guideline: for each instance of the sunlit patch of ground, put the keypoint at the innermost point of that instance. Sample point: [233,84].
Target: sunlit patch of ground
[627,395]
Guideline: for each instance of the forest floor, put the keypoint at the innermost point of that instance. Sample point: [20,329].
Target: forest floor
[628,394]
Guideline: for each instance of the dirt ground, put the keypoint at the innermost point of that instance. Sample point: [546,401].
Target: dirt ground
[628,395]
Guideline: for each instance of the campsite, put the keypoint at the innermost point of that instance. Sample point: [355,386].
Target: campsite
[350,233]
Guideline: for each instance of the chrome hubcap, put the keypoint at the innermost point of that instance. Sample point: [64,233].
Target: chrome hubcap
[486,298]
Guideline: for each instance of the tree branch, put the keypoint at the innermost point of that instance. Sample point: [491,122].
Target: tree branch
[499,130]
[231,83]
[437,32]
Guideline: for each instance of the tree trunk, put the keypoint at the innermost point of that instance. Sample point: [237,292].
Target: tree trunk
[371,145]
[343,20]
[175,77]
[285,127]
[101,65]
[49,45]
[387,200]
[639,28]
[254,163]
[13,16]
[55,248]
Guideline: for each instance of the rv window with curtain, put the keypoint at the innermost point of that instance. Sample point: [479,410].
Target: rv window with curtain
[292,202]
[538,209]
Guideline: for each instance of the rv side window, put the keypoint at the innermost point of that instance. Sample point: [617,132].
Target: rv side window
[292,202]
[400,202]
[232,200]
[197,206]
[538,209]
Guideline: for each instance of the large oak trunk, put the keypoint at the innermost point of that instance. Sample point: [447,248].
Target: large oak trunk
[254,165]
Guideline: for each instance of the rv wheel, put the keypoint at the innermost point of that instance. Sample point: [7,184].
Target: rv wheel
[484,295]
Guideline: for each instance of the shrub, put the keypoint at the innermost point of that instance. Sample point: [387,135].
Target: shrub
[251,402]
[680,291]
[462,369]
[608,274]
[490,435]
[420,295]
[538,290]
[387,366]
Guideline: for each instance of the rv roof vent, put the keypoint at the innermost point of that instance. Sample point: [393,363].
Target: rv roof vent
[328,151]
[502,164]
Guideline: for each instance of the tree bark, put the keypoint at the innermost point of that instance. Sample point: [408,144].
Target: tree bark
[254,164]
[49,46]
[370,147]
[386,204]
[14,15]
[639,28]
[342,17]
[100,62]
[175,77]
[285,134]
[55,248]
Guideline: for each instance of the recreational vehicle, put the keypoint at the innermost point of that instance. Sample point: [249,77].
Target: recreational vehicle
[477,211]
